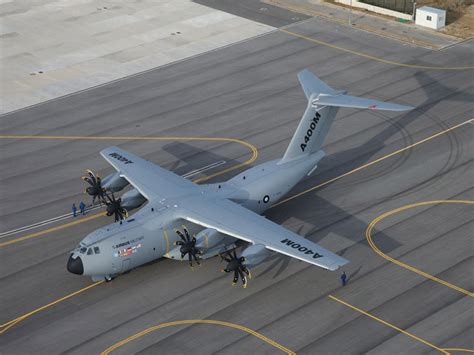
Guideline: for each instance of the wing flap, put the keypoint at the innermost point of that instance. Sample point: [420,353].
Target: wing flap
[232,219]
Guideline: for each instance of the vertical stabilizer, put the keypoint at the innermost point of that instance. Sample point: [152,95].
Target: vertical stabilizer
[323,104]
[316,120]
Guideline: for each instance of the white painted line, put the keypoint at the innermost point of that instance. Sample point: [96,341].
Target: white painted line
[92,208]
[207,167]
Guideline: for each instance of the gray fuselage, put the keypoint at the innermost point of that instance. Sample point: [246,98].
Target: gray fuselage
[150,233]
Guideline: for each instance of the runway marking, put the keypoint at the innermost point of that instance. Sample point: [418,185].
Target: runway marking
[252,158]
[368,56]
[8,325]
[388,324]
[50,230]
[88,209]
[203,169]
[368,235]
[43,223]
[373,162]
[360,168]
[198,321]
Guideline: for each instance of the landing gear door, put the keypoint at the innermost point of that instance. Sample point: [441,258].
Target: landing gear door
[126,265]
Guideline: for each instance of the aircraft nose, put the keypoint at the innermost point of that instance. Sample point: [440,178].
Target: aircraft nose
[75,266]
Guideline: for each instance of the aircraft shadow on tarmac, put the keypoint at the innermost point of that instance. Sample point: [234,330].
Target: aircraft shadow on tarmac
[334,219]
[194,158]
[328,217]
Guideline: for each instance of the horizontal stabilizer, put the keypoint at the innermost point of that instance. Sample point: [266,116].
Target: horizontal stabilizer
[357,102]
[311,84]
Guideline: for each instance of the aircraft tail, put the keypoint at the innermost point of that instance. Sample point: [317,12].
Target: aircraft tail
[323,104]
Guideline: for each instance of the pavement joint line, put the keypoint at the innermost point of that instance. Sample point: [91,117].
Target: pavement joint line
[297,195]
[368,235]
[368,56]
[198,321]
[388,324]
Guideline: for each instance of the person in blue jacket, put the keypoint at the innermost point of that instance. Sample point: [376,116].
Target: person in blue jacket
[82,207]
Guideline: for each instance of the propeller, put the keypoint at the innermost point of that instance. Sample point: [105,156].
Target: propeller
[188,246]
[236,265]
[95,189]
[115,208]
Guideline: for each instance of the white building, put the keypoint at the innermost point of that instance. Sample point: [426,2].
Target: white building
[430,17]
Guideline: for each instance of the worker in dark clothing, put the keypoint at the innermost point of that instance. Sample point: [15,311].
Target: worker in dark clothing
[344,278]
[82,207]
[74,210]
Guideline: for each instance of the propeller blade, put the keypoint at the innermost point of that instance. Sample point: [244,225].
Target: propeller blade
[188,238]
[181,236]
[236,278]
[247,271]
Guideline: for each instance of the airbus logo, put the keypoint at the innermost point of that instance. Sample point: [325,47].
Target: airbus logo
[120,158]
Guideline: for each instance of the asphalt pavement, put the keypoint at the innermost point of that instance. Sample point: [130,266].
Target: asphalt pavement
[249,91]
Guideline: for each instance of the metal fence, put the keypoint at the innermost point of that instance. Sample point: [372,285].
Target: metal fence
[405,6]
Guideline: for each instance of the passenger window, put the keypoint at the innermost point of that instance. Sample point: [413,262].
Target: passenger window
[96,250]
[82,250]
[89,251]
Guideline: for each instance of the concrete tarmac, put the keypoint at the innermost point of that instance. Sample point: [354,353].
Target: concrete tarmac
[250,91]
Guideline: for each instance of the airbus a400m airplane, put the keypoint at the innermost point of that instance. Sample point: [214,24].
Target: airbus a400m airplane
[185,221]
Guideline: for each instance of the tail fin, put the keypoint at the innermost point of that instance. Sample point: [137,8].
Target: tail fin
[323,104]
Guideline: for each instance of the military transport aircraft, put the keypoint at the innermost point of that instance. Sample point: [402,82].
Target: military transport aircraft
[185,221]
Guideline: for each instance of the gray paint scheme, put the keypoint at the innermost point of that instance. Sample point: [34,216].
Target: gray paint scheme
[228,208]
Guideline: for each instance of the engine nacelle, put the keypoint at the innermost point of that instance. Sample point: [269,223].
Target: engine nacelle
[114,182]
[255,254]
[209,238]
[132,199]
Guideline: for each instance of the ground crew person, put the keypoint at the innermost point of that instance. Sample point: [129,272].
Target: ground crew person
[82,207]
[344,278]
[74,210]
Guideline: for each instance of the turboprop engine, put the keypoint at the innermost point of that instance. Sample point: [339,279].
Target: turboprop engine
[255,254]
[208,238]
[114,182]
[132,199]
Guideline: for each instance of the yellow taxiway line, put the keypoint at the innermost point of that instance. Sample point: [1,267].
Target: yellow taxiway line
[460,349]
[368,235]
[388,324]
[317,186]
[50,230]
[371,57]
[198,321]
[4,327]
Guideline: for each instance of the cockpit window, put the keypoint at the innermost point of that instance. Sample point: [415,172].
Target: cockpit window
[82,250]
[96,250]
[89,251]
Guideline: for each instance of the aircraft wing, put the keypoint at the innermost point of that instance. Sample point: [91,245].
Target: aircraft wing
[232,219]
[151,180]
